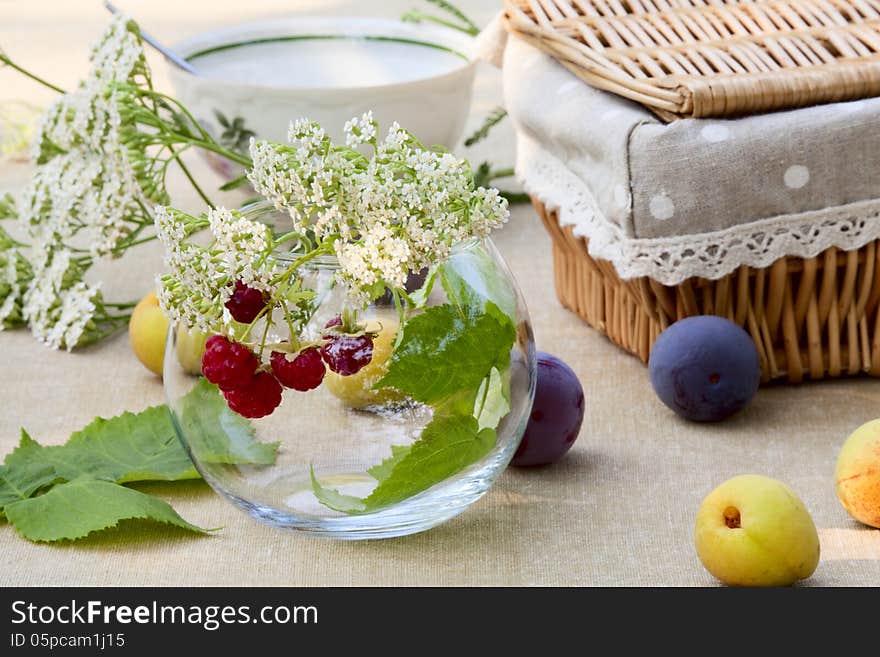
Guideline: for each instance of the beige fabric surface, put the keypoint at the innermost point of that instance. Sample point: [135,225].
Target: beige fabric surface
[617,511]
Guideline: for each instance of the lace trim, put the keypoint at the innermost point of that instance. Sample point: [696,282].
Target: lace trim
[671,260]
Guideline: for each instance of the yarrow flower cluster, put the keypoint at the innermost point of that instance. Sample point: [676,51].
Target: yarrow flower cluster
[15,276]
[87,197]
[83,193]
[200,279]
[85,181]
[59,306]
[396,212]
[88,116]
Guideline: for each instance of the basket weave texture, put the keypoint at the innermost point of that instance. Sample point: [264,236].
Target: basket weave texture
[809,318]
[711,58]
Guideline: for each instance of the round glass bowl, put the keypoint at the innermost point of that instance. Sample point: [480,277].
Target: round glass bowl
[352,459]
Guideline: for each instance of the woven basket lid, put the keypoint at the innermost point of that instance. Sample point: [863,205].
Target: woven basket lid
[711,58]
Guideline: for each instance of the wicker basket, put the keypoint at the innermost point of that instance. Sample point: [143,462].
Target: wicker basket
[703,58]
[810,318]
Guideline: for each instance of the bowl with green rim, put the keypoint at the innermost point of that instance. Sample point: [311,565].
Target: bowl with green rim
[255,78]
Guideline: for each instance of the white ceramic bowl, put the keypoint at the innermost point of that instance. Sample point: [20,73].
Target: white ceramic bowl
[433,108]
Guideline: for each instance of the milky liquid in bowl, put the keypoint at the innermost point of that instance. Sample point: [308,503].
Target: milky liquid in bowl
[327,61]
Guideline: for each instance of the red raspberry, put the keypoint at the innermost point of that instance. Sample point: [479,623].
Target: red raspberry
[228,364]
[246,303]
[304,372]
[348,354]
[258,397]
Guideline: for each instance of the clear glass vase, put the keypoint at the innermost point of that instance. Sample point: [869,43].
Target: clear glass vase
[356,459]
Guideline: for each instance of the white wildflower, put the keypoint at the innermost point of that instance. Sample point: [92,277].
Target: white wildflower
[397,212]
[15,275]
[361,130]
[243,245]
[118,55]
[201,279]
[58,305]
[89,116]
[388,215]
[378,257]
[83,193]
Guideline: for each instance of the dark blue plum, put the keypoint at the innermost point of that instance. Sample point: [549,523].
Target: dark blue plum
[705,368]
[556,416]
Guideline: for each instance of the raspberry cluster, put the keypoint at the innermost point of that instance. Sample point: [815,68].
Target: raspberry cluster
[254,390]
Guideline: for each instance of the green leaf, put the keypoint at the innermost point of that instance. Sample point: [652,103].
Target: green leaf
[128,447]
[482,175]
[447,446]
[137,447]
[348,503]
[471,278]
[449,349]
[75,509]
[235,183]
[493,400]
[221,118]
[455,357]
[382,471]
[495,117]
[24,472]
[335,500]
[419,298]
[217,433]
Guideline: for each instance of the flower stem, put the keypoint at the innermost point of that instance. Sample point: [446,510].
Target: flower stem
[217,148]
[36,78]
[263,341]
[127,245]
[193,182]
[294,338]
[299,262]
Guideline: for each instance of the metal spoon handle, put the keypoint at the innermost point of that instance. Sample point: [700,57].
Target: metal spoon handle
[170,55]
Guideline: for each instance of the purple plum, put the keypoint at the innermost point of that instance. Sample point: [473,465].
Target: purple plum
[557,414]
[705,368]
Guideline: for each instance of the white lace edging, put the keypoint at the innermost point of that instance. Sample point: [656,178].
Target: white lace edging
[671,260]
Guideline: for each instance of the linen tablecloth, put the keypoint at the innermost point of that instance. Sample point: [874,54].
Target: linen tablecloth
[618,510]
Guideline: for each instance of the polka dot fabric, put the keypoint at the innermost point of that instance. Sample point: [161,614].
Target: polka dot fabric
[695,197]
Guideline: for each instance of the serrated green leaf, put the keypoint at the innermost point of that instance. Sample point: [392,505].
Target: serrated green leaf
[218,434]
[128,447]
[471,278]
[137,447]
[447,446]
[456,358]
[333,499]
[446,350]
[24,472]
[382,471]
[75,509]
